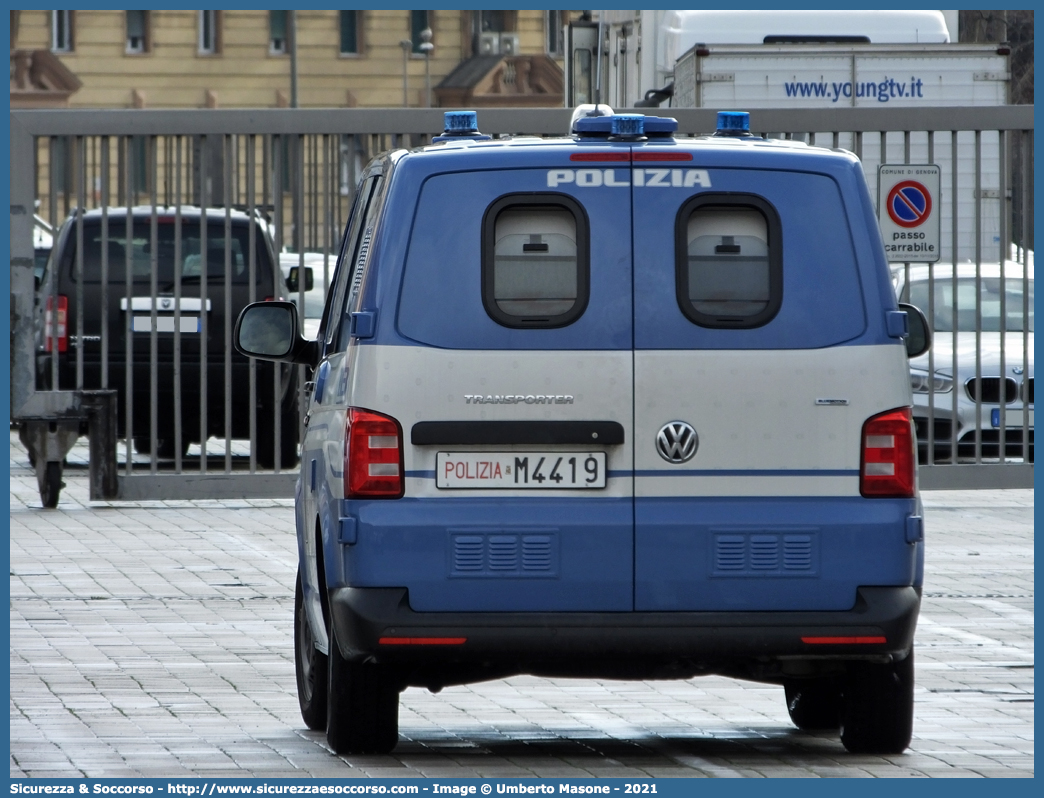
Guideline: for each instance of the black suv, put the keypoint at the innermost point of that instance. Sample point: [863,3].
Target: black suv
[181,250]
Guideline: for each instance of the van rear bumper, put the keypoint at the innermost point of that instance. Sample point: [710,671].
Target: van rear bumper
[880,624]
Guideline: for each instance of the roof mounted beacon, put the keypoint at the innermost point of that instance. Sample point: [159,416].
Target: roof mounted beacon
[459,125]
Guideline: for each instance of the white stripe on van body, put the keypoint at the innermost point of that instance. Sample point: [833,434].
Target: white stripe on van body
[415,384]
[757,417]
[761,430]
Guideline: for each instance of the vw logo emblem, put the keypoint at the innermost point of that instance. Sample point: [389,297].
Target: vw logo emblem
[166,304]
[677,442]
[1017,369]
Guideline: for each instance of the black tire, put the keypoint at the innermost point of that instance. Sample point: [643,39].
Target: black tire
[52,484]
[266,440]
[814,704]
[362,716]
[878,708]
[311,667]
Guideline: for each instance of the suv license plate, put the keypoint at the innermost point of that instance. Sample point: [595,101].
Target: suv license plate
[519,470]
[1013,418]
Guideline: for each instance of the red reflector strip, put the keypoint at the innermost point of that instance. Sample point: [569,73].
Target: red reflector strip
[422,641]
[600,156]
[843,641]
[662,156]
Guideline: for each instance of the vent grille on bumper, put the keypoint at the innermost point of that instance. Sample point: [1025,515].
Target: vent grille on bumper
[766,554]
[503,555]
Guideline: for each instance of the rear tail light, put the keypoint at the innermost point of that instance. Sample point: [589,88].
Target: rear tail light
[63,327]
[887,468]
[373,456]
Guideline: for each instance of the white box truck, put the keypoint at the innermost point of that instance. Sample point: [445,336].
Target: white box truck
[746,60]
[638,49]
[747,77]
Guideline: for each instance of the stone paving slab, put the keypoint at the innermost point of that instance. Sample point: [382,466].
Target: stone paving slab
[155,639]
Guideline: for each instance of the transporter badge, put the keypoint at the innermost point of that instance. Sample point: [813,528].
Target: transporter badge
[677,442]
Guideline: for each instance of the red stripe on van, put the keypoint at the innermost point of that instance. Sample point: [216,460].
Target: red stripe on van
[600,156]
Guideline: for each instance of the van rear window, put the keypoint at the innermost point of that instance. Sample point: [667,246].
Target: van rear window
[535,264]
[728,261]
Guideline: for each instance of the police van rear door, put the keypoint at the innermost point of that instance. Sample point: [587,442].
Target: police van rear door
[515,388]
[747,416]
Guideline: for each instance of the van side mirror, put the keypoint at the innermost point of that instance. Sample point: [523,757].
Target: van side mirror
[293,279]
[919,336]
[269,330]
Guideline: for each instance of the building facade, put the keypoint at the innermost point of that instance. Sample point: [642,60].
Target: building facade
[246,59]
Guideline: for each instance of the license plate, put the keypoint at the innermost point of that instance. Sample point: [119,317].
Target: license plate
[520,470]
[165,324]
[1012,418]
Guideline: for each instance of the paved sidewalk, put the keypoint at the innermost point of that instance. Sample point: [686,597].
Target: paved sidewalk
[155,639]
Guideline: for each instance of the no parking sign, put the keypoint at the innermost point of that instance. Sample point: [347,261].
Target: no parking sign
[908,199]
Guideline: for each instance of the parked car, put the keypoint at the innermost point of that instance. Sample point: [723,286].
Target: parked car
[130,306]
[979,385]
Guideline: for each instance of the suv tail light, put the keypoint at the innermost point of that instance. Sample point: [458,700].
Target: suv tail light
[63,327]
[373,456]
[888,462]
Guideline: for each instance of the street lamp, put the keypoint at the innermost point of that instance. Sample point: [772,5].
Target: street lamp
[426,47]
[406,46]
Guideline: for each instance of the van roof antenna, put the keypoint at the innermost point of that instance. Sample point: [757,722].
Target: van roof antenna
[598,62]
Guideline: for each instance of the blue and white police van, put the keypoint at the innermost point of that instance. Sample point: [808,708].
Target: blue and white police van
[618,405]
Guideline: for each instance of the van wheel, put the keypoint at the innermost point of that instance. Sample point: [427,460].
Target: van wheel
[311,667]
[814,704]
[363,710]
[877,717]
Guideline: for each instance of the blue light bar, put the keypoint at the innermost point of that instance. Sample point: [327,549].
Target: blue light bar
[733,123]
[624,125]
[628,125]
[460,126]
[460,123]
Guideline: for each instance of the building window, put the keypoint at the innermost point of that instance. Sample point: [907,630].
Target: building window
[486,30]
[137,31]
[554,23]
[278,27]
[418,22]
[62,31]
[209,32]
[351,24]
[493,21]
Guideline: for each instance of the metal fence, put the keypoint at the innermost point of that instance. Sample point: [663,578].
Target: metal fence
[293,173]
